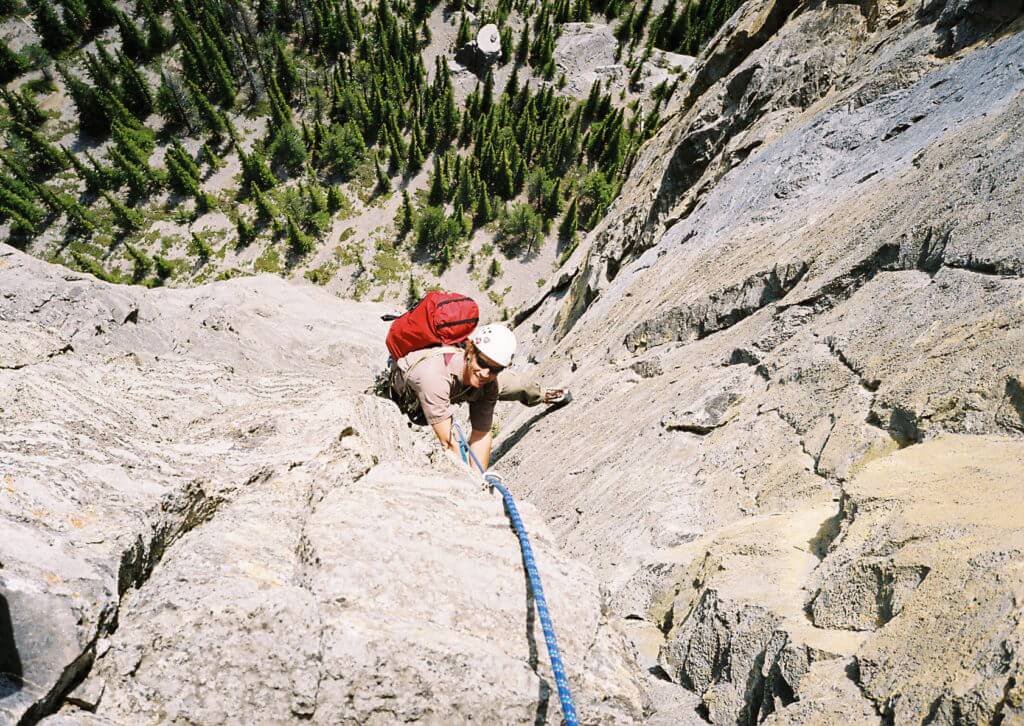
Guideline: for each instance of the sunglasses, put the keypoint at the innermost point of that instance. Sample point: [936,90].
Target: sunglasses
[486,365]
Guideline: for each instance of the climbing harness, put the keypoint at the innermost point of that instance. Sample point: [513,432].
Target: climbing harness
[554,655]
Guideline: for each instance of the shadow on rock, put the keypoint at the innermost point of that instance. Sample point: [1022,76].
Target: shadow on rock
[10,662]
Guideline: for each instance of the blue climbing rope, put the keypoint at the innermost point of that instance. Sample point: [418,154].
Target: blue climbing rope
[554,654]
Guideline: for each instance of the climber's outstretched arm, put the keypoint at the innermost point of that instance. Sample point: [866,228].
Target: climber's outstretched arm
[446,435]
[480,444]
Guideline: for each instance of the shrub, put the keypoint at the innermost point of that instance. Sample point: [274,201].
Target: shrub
[439,236]
[520,230]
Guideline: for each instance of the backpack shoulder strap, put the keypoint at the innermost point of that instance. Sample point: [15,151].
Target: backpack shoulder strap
[445,350]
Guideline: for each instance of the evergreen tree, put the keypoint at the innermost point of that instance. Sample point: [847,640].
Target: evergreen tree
[301,243]
[20,209]
[266,211]
[199,247]
[523,49]
[158,37]
[53,33]
[78,215]
[255,170]
[415,161]
[207,154]
[133,42]
[335,199]
[138,180]
[484,211]
[214,119]
[487,100]
[286,148]
[12,64]
[127,218]
[44,157]
[91,265]
[383,183]
[102,14]
[76,18]
[439,236]
[23,107]
[462,36]
[181,179]
[405,216]
[570,223]
[174,103]
[437,186]
[143,263]
[287,74]
[135,88]
[246,232]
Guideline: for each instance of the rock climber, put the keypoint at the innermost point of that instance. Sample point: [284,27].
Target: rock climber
[429,383]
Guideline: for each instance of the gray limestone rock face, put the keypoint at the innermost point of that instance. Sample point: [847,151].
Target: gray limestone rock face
[790,474]
[206,519]
[820,249]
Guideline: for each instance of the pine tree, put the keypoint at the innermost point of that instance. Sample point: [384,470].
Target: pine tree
[137,179]
[23,107]
[158,37]
[523,49]
[180,177]
[102,14]
[143,263]
[115,111]
[214,119]
[335,199]
[415,161]
[463,34]
[207,154]
[437,185]
[127,218]
[570,223]
[286,72]
[12,64]
[20,208]
[133,42]
[246,232]
[199,247]
[383,183]
[134,88]
[405,216]
[76,17]
[256,172]
[220,74]
[301,243]
[44,156]
[53,33]
[78,215]
[94,179]
[266,211]
[174,103]
[484,211]
[487,100]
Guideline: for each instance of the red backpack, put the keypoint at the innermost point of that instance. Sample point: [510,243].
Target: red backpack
[441,318]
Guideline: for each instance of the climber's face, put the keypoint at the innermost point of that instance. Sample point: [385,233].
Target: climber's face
[480,370]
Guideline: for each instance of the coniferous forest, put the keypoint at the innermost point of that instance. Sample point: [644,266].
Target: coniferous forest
[364,145]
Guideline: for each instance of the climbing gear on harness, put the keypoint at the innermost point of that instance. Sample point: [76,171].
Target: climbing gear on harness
[441,318]
[496,342]
[554,654]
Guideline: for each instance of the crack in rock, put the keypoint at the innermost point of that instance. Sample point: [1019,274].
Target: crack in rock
[719,311]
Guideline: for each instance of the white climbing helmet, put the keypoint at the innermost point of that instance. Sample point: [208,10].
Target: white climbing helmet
[496,342]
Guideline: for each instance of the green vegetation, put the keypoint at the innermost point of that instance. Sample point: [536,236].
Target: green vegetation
[346,112]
